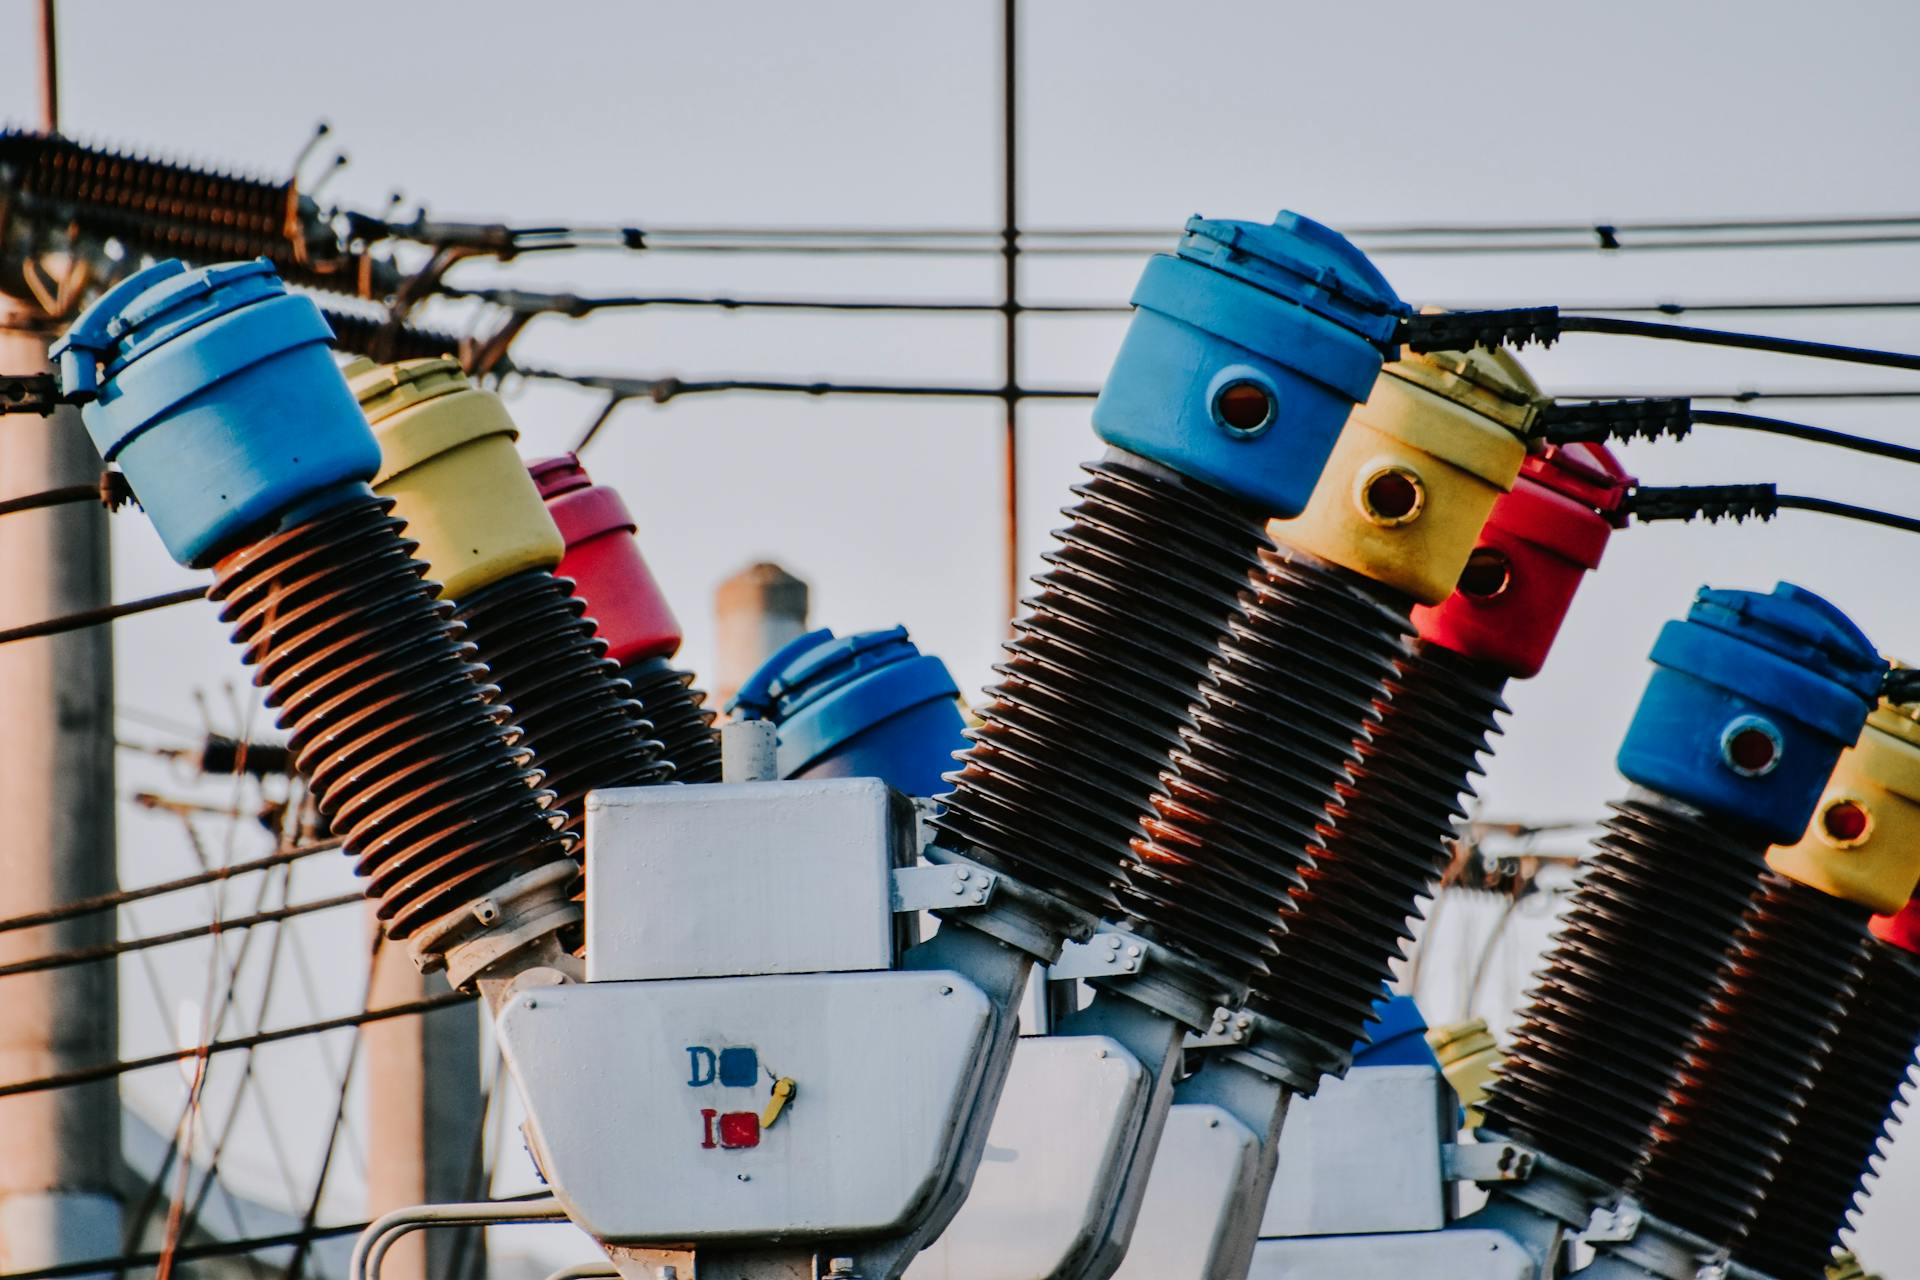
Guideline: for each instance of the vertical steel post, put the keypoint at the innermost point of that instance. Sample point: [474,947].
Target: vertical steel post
[425,1114]
[1010,306]
[59,1148]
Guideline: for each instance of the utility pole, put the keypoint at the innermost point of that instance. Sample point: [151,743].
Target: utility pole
[1010,304]
[425,1115]
[59,1148]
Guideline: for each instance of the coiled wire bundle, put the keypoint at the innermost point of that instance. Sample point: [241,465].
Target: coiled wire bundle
[407,757]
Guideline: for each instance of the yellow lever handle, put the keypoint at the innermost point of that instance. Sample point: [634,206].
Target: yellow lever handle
[783,1089]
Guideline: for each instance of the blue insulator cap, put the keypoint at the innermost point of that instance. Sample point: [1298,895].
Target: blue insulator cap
[214,389]
[868,706]
[1288,317]
[1398,1038]
[1752,699]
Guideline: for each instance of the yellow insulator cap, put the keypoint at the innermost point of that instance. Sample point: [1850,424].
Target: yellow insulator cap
[448,462]
[1863,843]
[1417,468]
[1470,1059]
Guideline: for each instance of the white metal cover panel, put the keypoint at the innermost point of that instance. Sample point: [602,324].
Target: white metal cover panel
[1426,1255]
[1072,1108]
[748,878]
[1363,1154]
[1206,1158]
[645,1100]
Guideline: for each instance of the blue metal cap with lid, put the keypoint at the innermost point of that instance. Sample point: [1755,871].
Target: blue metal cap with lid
[1752,700]
[869,705]
[215,391]
[1251,344]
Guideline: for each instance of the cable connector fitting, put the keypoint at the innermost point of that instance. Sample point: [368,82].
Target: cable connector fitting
[1735,502]
[1463,330]
[1602,421]
[32,393]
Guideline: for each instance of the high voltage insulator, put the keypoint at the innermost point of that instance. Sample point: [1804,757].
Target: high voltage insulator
[162,208]
[215,392]
[1752,699]
[1768,1028]
[449,466]
[1793,970]
[641,633]
[1863,842]
[1317,681]
[1272,327]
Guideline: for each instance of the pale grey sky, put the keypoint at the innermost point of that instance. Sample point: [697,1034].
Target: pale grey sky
[1135,114]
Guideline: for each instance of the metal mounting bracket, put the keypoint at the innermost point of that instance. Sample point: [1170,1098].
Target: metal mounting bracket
[1622,1222]
[1486,1162]
[1101,956]
[942,887]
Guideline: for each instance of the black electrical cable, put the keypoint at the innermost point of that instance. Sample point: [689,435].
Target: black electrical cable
[1804,431]
[1745,341]
[108,901]
[105,951]
[94,617]
[112,1070]
[1847,511]
[62,496]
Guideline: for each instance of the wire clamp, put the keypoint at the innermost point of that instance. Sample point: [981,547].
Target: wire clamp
[1462,330]
[1599,421]
[942,886]
[1486,1162]
[1105,955]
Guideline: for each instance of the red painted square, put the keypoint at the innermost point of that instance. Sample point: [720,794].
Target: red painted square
[740,1129]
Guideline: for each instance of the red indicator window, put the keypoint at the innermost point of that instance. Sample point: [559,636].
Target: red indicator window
[739,1129]
[1845,822]
[1752,750]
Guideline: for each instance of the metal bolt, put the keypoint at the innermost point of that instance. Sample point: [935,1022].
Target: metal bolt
[979,895]
[1113,943]
[1113,957]
[532,1003]
[946,991]
[744,1177]
[1243,1022]
[840,1267]
[1134,952]
[668,1272]
[964,874]
[959,888]
[486,911]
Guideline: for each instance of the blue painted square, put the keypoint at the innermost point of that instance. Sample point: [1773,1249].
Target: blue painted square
[739,1068]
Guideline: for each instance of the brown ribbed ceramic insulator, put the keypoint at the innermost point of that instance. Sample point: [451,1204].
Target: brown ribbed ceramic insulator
[681,721]
[1816,1188]
[575,713]
[1097,683]
[1636,960]
[406,755]
[1389,840]
[1793,967]
[1295,685]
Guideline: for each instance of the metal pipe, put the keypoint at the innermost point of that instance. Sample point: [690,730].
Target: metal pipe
[49,70]
[370,1250]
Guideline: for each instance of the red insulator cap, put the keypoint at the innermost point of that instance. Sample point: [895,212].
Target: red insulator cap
[1539,542]
[603,559]
[1902,928]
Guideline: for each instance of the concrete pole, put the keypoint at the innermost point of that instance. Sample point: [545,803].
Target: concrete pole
[60,1148]
[425,1113]
[755,611]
